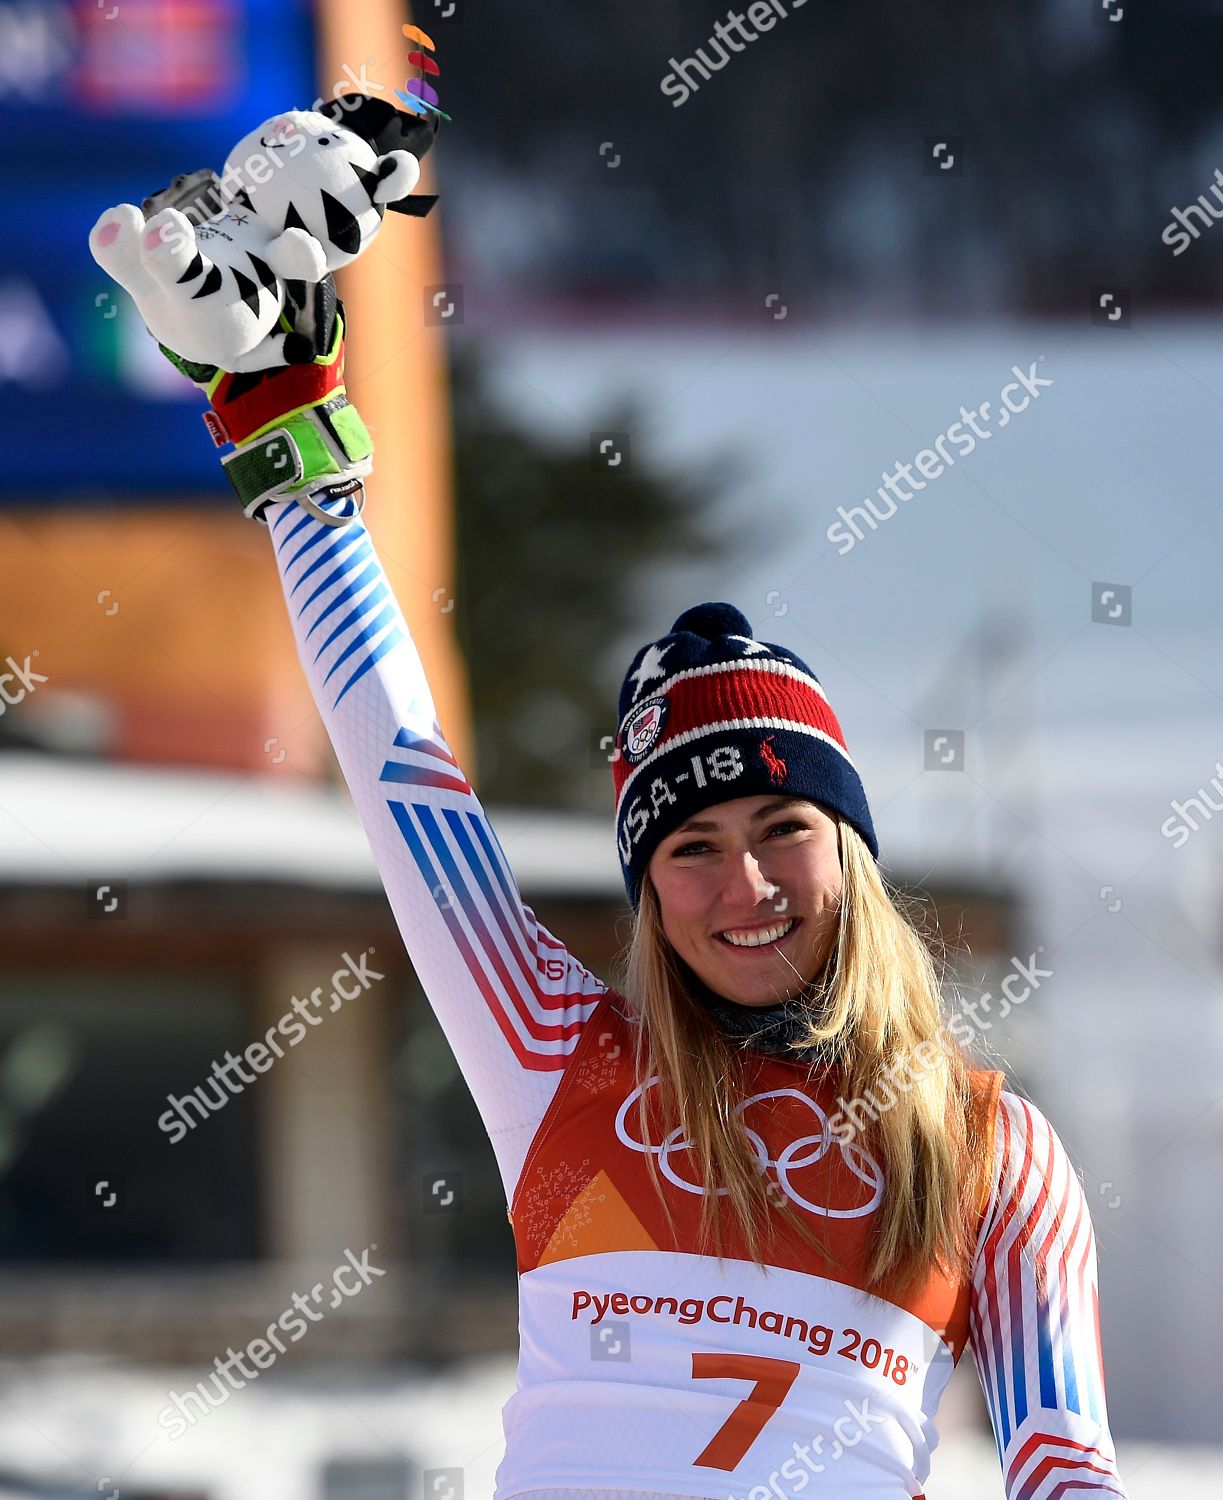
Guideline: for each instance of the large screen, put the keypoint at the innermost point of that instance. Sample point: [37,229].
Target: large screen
[105,101]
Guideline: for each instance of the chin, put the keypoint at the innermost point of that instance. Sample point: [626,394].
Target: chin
[769,987]
[761,993]
[772,998]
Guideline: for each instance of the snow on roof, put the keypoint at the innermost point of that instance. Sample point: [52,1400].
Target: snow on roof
[64,821]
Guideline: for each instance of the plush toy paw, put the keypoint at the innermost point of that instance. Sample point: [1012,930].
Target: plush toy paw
[206,290]
[301,196]
[297,256]
[168,247]
[115,243]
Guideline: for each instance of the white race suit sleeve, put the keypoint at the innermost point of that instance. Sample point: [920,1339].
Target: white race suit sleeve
[511,1000]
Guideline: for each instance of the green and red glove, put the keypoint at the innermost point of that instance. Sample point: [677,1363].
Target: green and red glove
[301,195]
[296,434]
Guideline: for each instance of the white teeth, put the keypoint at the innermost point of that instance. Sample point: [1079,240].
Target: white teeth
[758,939]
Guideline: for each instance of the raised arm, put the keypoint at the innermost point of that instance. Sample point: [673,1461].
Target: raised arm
[1035,1327]
[511,1000]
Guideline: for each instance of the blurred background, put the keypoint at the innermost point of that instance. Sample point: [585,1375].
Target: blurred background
[682,310]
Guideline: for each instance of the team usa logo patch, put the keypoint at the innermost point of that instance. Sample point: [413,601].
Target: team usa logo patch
[642,728]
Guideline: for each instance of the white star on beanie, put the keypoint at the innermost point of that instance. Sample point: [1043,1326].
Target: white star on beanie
[649,667]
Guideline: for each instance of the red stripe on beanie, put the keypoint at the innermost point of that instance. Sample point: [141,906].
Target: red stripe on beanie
[739,691]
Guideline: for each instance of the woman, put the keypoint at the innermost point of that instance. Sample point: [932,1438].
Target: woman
[761,1201]
[777,1031]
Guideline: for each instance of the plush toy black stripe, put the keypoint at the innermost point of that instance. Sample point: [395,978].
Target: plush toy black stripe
[417,205]
[212,283]
[342,227]
[263,271]
[368,180]
[247,289]
[388,129]
[193,270]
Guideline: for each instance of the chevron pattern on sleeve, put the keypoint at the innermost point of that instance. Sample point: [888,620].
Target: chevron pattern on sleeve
[538,993]
[1035,1324]
[338,591]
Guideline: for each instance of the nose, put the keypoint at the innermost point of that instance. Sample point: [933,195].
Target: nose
[745,882]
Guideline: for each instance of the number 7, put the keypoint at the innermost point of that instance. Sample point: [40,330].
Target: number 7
[773,1378]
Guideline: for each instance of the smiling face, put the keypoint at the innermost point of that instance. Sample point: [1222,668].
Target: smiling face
[749,893]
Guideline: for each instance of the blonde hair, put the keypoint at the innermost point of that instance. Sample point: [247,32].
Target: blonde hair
[870,1012]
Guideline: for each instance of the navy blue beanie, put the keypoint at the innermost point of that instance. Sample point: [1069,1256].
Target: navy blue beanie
[708,714]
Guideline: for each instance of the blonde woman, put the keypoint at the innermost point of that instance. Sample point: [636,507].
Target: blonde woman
[762,1201]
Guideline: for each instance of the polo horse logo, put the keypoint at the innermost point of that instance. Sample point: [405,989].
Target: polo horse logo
[774,763]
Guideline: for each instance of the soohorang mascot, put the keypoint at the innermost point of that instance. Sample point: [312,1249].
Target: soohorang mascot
[301,196]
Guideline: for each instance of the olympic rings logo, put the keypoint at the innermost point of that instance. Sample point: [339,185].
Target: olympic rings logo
[805,1151]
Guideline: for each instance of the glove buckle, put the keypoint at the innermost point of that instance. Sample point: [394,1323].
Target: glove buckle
[339,492]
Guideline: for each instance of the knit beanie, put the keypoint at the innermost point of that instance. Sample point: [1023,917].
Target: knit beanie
[708,714]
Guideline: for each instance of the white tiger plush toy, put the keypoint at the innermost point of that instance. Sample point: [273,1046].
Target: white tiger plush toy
[301,196]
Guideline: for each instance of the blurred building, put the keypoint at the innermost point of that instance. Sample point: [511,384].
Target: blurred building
[157,1200]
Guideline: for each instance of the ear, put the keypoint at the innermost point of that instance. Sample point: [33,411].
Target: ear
[398,174]
[334,109]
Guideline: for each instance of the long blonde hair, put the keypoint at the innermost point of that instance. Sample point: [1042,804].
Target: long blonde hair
[870,1012]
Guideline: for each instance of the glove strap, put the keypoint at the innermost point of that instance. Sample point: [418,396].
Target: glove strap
[296,434]
[290,460]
